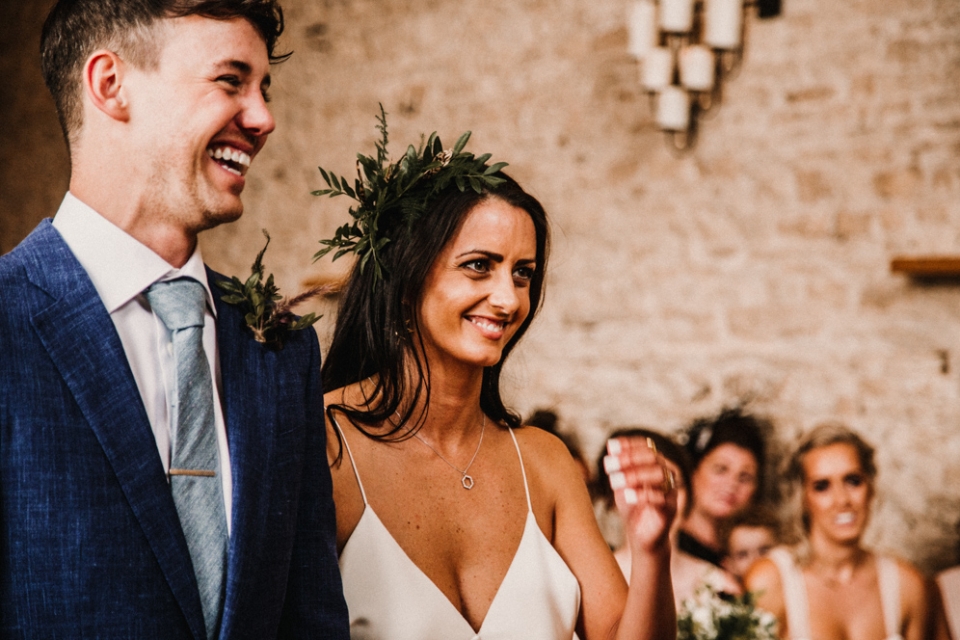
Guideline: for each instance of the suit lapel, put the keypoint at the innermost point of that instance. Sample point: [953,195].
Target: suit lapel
[83,343]
[248,373]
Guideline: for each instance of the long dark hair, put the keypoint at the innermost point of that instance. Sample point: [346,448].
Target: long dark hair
[377,323]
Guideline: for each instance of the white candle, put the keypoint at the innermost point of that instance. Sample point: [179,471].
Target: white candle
[676,15]
[696,68]
[723,23]
[657,69]
[642,28]
[673,109]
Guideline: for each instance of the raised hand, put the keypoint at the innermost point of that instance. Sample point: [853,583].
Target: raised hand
[644,488]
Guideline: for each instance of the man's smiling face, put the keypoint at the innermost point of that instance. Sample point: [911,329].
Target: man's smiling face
[200,118]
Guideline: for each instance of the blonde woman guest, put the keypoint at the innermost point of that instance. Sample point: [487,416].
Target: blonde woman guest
[829,586]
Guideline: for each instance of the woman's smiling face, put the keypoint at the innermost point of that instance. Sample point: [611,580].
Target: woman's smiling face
[836,493]
[477,293]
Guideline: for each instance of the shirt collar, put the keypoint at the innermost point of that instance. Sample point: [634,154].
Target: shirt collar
[120,266]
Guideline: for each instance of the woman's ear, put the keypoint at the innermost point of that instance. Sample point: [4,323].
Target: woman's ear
[103,76]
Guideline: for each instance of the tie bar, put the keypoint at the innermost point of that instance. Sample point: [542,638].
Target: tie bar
[192,472]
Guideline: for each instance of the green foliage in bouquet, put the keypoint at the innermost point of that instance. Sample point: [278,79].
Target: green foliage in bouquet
[266,312]
[712,615]
[388,194]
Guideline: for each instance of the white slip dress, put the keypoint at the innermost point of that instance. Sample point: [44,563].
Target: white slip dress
[795,595]
[390,598]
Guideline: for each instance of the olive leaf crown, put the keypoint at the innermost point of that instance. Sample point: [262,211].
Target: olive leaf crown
[388,194]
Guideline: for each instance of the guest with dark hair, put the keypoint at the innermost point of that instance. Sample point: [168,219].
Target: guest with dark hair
[688,572]
[829,585]
[747,537]
[455,521]
[728,454]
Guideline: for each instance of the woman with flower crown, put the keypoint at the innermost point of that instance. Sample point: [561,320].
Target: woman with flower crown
[829,586]
[454,521]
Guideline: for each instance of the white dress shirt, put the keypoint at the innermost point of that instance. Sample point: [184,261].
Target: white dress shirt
[121,269]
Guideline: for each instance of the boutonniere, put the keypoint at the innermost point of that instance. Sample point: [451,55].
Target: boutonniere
[266,312]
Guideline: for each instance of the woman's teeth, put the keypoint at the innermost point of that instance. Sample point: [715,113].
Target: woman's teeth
[845,518]
[488,325]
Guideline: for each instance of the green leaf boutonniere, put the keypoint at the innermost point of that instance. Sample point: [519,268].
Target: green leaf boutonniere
[266,312]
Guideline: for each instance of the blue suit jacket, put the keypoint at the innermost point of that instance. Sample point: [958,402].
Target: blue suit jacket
[90,542]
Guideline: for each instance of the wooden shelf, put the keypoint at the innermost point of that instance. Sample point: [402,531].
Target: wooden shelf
[930,267]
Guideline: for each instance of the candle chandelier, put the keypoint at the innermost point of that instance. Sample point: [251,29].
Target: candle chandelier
[687,48]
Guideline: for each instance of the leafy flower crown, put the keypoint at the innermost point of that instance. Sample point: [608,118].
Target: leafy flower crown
[392,197]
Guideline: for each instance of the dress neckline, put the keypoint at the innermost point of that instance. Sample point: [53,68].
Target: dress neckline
[371,515]
[368,509]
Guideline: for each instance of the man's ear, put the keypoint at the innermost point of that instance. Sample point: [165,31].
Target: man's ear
[103,76]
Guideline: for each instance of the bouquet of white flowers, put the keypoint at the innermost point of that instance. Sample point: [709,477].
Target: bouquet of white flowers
[713,615]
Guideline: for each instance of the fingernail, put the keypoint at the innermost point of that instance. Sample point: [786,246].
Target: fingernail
[611,464]
[630,496]
[618,480]
[614,447]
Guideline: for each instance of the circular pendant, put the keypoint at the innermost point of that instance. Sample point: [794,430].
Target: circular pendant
[466,481]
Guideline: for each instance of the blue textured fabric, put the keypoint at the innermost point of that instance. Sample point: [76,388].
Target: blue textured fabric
[90,541]
[180,305]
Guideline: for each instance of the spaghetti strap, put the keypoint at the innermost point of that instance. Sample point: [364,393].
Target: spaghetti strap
[888,575]
[353,463]
[794,594]
[522,470]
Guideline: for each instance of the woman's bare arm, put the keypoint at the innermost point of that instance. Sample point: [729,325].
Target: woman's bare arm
[609,609]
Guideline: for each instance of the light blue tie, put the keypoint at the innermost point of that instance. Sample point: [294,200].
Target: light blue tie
[194,465]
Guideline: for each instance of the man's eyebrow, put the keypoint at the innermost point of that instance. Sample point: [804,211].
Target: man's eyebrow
[237,65]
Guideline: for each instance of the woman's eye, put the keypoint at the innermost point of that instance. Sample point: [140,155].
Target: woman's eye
[746,478]
[480,266]
[820,485]
[523,274]
[854,479]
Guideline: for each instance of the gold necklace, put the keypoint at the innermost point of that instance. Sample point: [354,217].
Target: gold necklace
[465,479]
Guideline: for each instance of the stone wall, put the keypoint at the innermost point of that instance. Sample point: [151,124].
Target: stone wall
[754,268]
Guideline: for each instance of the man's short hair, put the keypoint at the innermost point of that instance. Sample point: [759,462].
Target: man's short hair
[76,28]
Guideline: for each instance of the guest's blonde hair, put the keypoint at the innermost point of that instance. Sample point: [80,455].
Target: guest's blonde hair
[823,435]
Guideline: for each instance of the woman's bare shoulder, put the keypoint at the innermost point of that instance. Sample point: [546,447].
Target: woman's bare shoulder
[913,584]
[763,576]
[546,455]
[348,395]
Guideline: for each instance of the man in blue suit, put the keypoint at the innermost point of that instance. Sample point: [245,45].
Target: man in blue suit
[159,478]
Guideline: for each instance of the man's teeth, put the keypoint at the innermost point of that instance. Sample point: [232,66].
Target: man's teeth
[232,155]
